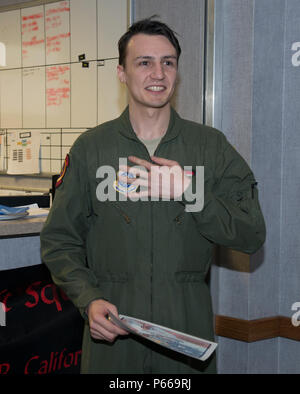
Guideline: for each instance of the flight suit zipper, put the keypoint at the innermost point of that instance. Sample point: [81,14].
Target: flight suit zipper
[151,248]
[152,252]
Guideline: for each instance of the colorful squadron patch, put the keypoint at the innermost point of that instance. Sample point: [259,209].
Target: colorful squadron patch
[123,187]
[63,171]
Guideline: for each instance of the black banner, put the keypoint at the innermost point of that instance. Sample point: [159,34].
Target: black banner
[43,330]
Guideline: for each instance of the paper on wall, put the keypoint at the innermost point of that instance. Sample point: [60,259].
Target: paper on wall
[24,152]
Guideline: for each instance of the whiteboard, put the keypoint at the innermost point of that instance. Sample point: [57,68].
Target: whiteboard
[33,97]
[57,27]
[110,105]
[33,36]
[10,35]
[83,28]
[111,25]
[11,98]
[84,95]
[45,86]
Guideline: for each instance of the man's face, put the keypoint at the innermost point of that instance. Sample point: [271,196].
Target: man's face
[150,70]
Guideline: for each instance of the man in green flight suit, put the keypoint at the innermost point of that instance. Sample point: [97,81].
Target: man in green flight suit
[147,256]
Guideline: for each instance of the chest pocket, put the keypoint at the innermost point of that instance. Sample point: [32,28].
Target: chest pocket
[106,204]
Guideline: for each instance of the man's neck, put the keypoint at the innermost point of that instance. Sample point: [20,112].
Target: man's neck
[150,123]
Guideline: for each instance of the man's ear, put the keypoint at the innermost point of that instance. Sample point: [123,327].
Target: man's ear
[121,73]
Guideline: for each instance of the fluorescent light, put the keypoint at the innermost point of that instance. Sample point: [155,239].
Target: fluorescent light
[2,54]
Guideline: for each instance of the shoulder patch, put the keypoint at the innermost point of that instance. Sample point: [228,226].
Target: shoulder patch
[63,171]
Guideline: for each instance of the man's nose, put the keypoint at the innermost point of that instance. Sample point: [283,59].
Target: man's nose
[158,71]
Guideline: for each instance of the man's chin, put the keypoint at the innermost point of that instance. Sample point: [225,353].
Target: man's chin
[154,104]
[157,105]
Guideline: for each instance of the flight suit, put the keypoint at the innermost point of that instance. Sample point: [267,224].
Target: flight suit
[149,258]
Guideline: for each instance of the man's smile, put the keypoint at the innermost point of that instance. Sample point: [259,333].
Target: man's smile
[155,88]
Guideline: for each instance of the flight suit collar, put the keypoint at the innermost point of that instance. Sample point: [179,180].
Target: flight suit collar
[172,131]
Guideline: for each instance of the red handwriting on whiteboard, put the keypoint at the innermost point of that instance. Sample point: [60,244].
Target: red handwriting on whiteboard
[58,36]
[62,7]
[33,16]
[57,19]
[32,32]
[55,96]
[56,72]
[58,85]
[33,41]
[53,22]
[53,43]
[29,27]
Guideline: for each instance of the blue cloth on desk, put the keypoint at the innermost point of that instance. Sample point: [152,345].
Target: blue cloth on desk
[4,210]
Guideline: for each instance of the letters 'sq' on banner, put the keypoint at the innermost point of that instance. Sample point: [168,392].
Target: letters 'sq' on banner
[40,329]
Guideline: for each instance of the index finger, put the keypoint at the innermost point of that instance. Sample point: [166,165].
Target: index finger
[164,162]
[132,172]
[140,162]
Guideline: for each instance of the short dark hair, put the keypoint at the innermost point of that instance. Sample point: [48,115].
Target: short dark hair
[150,27]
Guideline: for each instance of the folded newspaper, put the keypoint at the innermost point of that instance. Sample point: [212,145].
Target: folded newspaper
[175,340]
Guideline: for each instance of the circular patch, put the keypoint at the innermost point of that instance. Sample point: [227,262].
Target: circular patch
[123,187]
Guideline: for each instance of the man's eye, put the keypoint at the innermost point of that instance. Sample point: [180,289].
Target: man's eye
[144,63]
[169,63]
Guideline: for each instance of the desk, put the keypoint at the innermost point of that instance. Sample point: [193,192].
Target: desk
[43,329]
[20,242]
[23,226]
